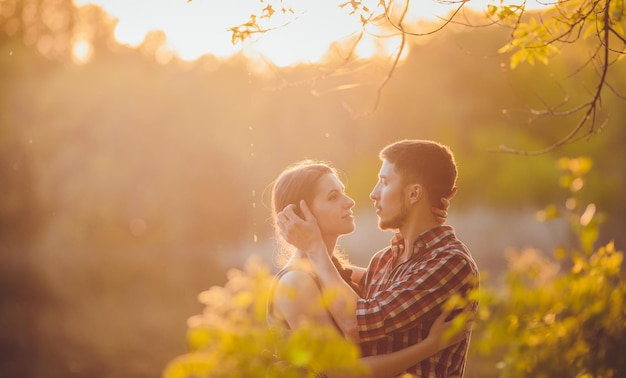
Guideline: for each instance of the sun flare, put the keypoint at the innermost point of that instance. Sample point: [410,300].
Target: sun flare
[196,28]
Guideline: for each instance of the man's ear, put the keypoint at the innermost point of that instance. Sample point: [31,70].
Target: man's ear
[415,192]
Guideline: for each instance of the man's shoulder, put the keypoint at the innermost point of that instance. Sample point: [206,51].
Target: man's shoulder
[450,243]
[452,249]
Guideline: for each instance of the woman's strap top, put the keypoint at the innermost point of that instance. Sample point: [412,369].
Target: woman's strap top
[270,298]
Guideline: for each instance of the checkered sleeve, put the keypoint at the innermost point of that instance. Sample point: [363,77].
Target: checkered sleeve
[416,297]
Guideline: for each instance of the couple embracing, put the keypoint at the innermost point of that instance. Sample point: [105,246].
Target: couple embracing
[394,308]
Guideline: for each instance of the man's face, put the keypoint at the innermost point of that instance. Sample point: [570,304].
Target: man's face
[389,196]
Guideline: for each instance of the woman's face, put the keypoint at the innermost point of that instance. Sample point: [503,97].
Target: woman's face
[332,207]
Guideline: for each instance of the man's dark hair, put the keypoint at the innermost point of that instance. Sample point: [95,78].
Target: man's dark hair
[425,162]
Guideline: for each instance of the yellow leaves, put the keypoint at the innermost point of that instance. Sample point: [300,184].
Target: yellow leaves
[550,212]
[198,338]
[585,221]
[617,11]
[549,318]
[231,335]
[215,294]
[578,265]
[531,42]
[330,295]
[454,302]
[531,265]
[505,13]
[513,322]
[483,313]
[576,166]
[535,340]
[243,299]
[190,365]
[559,322]
[608,259]
[529,53]
[560,253]
[320,348]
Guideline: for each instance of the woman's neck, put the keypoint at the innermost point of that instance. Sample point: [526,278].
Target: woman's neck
[329,242]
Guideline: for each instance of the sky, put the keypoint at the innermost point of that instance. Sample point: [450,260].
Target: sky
[198,27]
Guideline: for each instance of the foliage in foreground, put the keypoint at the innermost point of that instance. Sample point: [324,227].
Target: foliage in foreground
[555,316]
[562,316]
[231,336]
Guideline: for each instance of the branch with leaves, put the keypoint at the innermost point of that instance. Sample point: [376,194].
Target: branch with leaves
[535,37]
[542,35]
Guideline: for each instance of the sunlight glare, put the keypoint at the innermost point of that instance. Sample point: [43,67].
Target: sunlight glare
[200,27]
[82,51]
[192,29]
[304,39]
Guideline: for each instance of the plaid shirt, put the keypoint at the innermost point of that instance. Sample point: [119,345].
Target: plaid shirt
[400,304]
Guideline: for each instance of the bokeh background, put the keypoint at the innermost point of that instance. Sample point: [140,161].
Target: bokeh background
[129,184]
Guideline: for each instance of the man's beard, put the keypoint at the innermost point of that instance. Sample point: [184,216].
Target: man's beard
[397,221]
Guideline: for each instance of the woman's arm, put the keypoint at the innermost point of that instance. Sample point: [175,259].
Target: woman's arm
[304,234]
[298,300]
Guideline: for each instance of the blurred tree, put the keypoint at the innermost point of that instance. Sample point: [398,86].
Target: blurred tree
[560,316]
[534,37]
[46,24]
[23,294]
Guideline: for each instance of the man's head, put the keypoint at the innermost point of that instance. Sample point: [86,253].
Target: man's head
[412,171]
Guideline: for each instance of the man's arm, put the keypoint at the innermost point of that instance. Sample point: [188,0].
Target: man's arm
[304,234]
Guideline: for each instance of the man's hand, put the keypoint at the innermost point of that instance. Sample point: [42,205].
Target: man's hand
[445,332]
[303,234]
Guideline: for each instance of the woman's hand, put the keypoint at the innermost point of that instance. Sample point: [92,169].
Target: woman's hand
[441,214]
[301,232]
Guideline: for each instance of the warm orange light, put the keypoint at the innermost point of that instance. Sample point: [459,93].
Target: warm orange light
[199,27]
[82,51]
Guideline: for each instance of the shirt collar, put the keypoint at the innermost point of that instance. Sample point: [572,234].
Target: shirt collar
[426,240]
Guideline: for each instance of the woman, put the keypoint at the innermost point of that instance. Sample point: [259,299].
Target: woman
[318,184]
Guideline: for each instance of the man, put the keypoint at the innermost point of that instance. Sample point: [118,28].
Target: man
[407,284]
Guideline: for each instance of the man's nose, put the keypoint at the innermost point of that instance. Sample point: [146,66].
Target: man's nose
[351,203]
[374,193]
